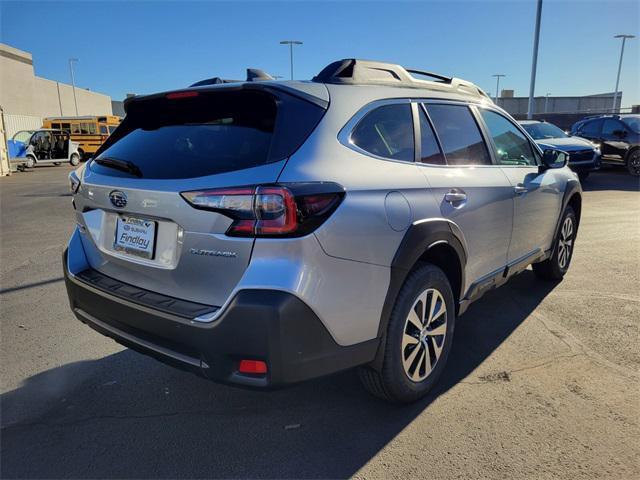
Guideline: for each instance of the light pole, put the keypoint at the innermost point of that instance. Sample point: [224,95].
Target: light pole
[498,75]
[546,102]
[615,95]
[73,83]
[534,61]
[291,43]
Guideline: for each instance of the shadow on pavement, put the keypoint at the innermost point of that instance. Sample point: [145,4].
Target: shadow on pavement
[127,416]
[611,178]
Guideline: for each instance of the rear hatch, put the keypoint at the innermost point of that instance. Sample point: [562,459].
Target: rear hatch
[143,227]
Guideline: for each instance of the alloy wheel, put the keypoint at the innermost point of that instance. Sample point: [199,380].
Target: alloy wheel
[565,243]
[634,163]
[424,333]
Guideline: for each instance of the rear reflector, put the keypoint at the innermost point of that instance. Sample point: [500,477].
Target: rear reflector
[252,366]
[176,95]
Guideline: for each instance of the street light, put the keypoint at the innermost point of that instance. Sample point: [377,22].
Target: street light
[546,102]
[498,75]
[73,83]
[534,61]
[615,95]
[291,43]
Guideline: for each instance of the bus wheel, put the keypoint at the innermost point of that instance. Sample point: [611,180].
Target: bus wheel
[31,162]
[75,159]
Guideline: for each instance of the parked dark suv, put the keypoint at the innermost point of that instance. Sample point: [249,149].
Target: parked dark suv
[618,136]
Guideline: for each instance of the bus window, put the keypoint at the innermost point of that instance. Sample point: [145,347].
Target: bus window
[103,130]
[75,128]
[112,128]
[66,127]
[55,126]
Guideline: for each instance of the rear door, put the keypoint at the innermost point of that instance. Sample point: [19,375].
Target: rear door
[471,191]
[537,195]
[138,226]
[614,144]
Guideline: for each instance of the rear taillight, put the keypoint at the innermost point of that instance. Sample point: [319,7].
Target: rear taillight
[271,210]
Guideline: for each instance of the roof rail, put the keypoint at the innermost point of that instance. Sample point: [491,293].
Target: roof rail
[351,71]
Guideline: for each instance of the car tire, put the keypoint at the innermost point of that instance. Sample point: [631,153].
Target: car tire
[633,162]
[414,357]
[583,176]
[74,159]
[555,267]
[31,162]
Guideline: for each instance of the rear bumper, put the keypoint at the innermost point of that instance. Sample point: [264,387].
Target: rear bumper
[269,325]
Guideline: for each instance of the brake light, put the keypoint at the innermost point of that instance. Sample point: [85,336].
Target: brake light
[270,210]
[177,95]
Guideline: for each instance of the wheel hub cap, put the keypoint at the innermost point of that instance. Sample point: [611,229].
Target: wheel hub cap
[565,243]
[424,333]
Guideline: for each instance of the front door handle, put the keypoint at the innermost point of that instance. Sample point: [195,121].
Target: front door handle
[520,189]
[455,196]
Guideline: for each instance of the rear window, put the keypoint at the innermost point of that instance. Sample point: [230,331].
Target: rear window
[208,134]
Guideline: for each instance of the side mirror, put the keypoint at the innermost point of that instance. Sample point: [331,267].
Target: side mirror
[554,159]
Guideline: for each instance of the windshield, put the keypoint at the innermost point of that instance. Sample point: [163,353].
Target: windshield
[633,122]
[539,131]
[23,136]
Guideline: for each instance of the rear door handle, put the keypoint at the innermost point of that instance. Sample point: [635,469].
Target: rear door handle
[520,189]
[455,196]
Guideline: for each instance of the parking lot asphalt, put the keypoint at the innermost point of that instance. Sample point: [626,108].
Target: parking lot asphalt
[542,382]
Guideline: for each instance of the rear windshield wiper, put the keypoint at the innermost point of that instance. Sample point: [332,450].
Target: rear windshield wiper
[117,164]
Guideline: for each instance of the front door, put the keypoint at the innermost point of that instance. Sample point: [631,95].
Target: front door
[537,195]
[614,144]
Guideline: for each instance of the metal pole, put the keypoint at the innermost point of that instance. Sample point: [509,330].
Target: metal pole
[615,95]
[73,83]
[546,103]
[534,61]
[498,75]
[291,60]
[291,43]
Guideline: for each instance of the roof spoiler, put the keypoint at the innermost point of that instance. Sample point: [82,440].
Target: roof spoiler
[352,71]
[253,75]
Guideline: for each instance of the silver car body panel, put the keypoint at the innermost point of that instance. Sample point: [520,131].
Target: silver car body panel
[342,270]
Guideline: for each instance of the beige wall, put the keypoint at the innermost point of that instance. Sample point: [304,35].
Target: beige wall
[23,93]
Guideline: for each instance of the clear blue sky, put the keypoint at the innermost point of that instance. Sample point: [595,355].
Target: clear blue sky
[143,47]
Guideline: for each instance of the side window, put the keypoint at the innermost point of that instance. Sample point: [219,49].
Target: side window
[75,128]
[592,128]
[512,147]
[459,135]
[610,125]
[387,132]
[103,130]
[66,127]
[430,151]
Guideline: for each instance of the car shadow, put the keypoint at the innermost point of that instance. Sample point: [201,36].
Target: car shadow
[128,416]
[611,178]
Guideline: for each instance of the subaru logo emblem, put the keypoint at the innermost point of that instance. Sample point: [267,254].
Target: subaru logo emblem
[118,199]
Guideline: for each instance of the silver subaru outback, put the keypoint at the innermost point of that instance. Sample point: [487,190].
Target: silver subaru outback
[262,233]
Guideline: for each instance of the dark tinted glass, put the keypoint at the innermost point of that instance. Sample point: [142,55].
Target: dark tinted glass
[592,128]
[430,151]
[459,135]
[207,134]
[512,147]
[610,125]
[387,132]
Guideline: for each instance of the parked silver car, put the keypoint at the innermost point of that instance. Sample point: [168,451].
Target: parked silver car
[261,233]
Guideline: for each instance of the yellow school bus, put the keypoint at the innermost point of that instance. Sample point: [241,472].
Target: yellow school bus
[90,132]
